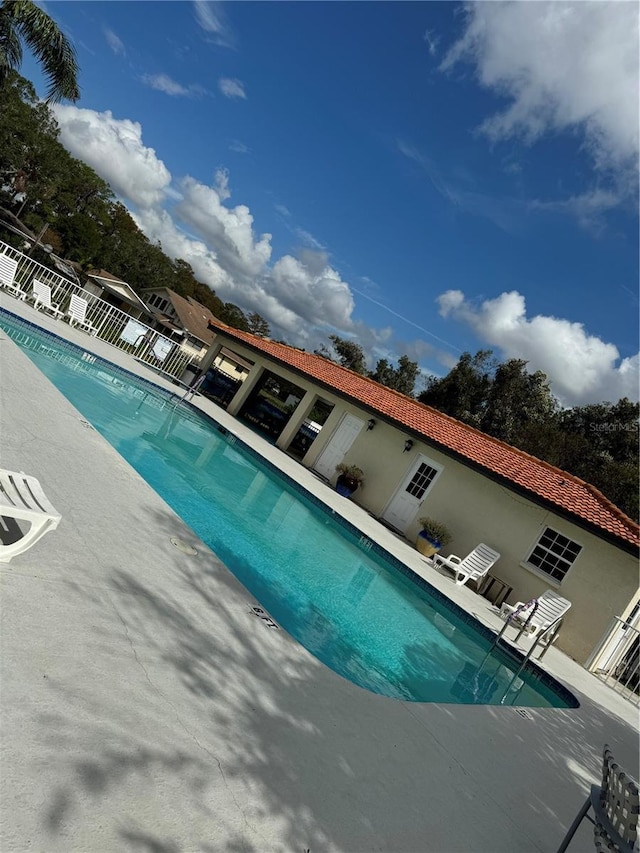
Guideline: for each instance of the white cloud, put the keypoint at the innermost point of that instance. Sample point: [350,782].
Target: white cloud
[298,296]
[113,41]
[232,88]
[212,19]
[159,226]
[239,147]
[431,41]
[312,289]
[588,207]
[562,66]
[221,184]
[229,230]
[581,367]
[164,83]
[114,148]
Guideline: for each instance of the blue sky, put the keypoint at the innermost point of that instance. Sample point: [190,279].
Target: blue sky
[425,178]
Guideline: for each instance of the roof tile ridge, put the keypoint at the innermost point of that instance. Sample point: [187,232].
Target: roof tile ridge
[622,517]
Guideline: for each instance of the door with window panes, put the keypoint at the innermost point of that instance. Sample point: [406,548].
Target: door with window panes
[406,502]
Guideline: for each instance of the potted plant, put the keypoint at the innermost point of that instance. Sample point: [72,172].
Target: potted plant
[349,478]
[432,537]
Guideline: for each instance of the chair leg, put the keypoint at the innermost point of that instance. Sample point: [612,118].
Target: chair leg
[572,829]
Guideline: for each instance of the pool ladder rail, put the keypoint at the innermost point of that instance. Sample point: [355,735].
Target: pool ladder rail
[547,632]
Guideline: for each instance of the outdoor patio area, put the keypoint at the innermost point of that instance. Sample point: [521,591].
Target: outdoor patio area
[146,707]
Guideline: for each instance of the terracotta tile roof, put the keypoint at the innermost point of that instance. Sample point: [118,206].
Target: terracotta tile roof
[554,486]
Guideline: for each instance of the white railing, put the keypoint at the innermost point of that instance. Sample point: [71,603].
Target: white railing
[109,323]
[616,660]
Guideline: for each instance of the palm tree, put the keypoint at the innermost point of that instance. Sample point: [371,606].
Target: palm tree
[23,21]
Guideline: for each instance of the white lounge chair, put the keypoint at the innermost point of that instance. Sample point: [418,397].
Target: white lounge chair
[474,566]
[539,614]
[42,298]
[22,500]
[77,313]
[8,269]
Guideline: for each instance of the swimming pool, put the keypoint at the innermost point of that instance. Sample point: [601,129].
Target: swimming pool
[353,607]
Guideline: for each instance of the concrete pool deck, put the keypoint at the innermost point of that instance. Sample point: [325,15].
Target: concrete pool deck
[146,708]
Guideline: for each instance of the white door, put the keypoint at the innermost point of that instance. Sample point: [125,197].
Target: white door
[404,505]
[338,445]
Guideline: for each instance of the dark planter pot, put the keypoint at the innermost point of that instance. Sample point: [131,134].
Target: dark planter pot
[345,486]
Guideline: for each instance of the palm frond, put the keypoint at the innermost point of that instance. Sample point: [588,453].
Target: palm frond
[10,46]
[48,44]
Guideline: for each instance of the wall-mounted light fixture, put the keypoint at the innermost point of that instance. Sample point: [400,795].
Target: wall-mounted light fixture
[407,445]
[371,423]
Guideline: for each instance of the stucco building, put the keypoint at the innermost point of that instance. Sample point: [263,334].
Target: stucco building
[552,529]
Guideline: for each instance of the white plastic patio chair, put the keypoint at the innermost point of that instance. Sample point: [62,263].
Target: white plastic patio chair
[550,609]
[22,500]
[8,269]
[42,298]
[77,314]
[615,806]
[474,566]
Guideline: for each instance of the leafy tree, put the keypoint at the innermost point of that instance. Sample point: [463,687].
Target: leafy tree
[516,400]
[384,373]
[30,154]
[234,316]
[23,21]
[612,428]
[184,281]
[401,378]
[598,442]
[205,296]
[258,325]
[81,239]
[463,392]
[323,351]
[349,354]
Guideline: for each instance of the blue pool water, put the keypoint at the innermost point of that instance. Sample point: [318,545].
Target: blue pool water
[364,616]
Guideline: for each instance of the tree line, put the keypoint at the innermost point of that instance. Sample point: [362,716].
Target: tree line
[597,442]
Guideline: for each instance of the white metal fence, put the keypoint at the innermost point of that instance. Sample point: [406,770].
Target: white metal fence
[616,660]
[112,325]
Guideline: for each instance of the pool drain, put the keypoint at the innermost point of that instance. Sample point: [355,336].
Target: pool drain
[182,546]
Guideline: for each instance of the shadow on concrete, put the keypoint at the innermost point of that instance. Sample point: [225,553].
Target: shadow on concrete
[235,713]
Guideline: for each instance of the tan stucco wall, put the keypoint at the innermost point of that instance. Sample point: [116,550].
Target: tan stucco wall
[229,367]
[603,579]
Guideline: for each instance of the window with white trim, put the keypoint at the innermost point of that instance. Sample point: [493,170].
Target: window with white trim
[554,554]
